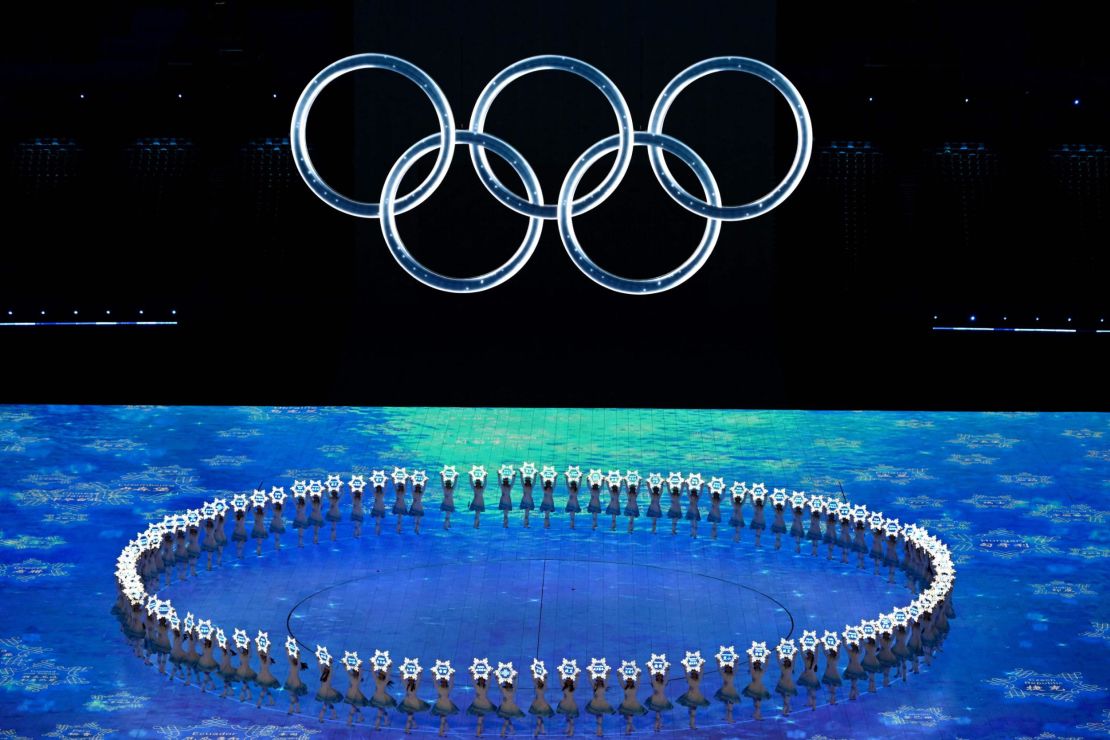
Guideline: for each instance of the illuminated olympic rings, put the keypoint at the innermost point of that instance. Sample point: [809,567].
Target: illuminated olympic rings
[567,205]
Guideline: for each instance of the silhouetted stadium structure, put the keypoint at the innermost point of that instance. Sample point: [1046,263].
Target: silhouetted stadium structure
[854,176]
[267,178]
[161,174]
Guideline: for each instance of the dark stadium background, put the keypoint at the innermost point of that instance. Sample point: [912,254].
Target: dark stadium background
[959,170]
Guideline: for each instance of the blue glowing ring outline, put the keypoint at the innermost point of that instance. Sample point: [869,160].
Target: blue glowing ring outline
[564,64]
[677,276]
[298,132]
[443,282]
[801,119]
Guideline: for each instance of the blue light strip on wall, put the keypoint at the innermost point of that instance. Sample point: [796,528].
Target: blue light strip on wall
[88,323]
[1017,329]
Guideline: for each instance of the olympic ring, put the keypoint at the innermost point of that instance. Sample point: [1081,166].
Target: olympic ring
[602,277]
[801,119]
[567,207]
[567,64]
[434,279]
[298,135]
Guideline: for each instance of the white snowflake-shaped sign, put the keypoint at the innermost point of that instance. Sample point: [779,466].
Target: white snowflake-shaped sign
[548,475]
[505,672]
[569,669]
[442,670]
[613,478]
[528,473]
[674,480]
[778,497]
[221,638]
[399,476]
[629,671]
[739,491]
[506,473]
[352,662]
[478,474]
[377,479]
[357,484]
[262,642]
[594,478]
[573,475]
[381,661]
[322,655]
[598,668]
[480,668]
[420,479]
[259,498]
[659,665]
[291,647]
[787,649]
[693,661]
[830,641]
[277,495]
[241,640]
[758,651]
[333,482]
[410,669]
[726,655]
[315,487]
[808,640]
[655,481]
[851,636]
[299,488]
[449,475]
[539,670]
[239,502]
[204,628]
